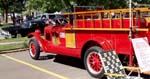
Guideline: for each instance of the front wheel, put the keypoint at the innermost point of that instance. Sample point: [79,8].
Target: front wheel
[93,62]
[34,49]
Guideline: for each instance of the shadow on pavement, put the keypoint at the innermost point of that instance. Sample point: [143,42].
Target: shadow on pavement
[71,61]
[76,62]
[47,57]
[66,60]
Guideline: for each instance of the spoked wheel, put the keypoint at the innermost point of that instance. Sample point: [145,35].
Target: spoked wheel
[34,49]
[93,62]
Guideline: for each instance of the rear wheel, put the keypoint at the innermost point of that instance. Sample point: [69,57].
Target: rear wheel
[34,49]
[93,62]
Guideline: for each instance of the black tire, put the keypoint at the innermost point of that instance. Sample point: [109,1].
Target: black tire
[96,70]
[34,49]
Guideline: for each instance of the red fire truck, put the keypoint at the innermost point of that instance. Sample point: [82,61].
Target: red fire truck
[86,34]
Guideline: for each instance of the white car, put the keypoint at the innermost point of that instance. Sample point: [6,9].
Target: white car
[4,34]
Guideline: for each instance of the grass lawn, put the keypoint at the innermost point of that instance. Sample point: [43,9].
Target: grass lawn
[4,26]
[13,46]
[13,39]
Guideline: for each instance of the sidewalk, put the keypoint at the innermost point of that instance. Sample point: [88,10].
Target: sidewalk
[8,43]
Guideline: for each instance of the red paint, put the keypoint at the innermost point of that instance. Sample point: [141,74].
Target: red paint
[95,62]
[107,40]
[33,50]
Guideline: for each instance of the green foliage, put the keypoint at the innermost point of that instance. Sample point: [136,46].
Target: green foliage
[142,1]
[4,26]
[13,39]
[0,10]
[17,6]
[57,5]
[46,5]
[10,6]
[11,47]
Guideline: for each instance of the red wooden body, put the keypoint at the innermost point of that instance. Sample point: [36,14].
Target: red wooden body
[87,34]
[117,40]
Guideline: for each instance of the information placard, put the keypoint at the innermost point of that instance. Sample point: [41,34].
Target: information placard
[142,52]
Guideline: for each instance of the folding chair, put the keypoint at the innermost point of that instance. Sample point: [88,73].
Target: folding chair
[113,67]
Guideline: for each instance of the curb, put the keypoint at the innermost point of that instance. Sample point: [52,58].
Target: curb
[13,50]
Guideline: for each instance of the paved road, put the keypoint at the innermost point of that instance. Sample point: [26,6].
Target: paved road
[19,65]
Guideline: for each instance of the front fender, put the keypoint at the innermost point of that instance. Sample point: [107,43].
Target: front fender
[39,39]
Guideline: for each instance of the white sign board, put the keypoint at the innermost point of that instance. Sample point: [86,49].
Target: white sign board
[142,52]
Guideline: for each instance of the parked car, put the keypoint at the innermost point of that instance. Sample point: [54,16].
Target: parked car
[29,26]
[26,27]
[4,34]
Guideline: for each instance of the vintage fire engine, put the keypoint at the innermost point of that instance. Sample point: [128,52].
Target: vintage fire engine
[86,34]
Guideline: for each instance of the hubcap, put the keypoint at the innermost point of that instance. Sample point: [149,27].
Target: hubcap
[94,63]
[32,49]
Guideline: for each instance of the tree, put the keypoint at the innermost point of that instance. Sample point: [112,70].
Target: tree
[57,5]
[7,5]
[45,5]
[4,4]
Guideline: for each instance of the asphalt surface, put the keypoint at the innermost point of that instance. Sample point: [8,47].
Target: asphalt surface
[19,65]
